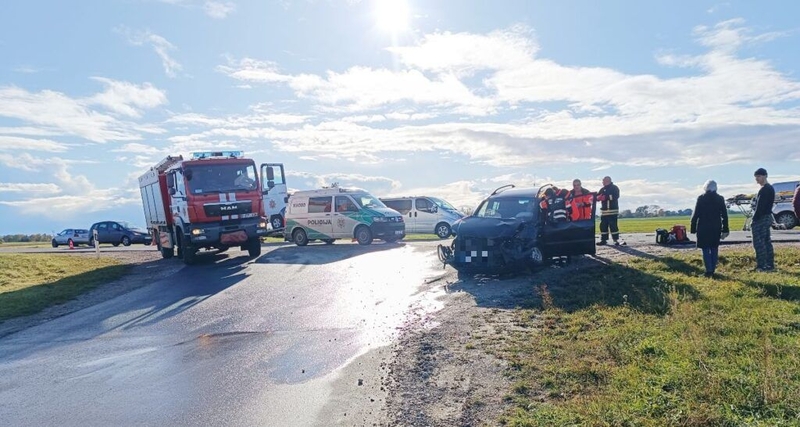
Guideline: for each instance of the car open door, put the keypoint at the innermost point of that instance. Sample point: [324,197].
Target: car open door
[273,184]
[569,237]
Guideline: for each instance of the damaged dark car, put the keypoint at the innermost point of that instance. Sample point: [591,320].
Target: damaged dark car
[510,230]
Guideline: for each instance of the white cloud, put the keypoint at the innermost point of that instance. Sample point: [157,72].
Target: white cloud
[160,46]
[218,9]
[14,143]
[124,97]
[253,70]
[54,113]
[137,148]
[19,187]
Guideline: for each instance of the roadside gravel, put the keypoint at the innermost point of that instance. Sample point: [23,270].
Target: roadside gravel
[442,371]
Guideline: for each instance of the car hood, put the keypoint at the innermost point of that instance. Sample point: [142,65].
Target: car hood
[489,227]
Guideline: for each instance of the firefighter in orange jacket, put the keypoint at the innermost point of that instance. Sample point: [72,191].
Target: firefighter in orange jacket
[580,202]
[554,204]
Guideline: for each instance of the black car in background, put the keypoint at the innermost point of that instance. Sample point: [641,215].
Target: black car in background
[118,232]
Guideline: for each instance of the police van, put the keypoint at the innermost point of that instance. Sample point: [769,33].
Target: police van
[340,213]
[426,214]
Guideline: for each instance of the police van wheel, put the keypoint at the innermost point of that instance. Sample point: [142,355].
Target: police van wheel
[363,235]
[443,230]
[328,241]
[300,237]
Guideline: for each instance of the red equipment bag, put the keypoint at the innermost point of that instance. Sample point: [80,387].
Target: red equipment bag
[679,231]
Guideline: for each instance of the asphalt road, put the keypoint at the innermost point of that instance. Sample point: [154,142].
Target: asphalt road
[296,337]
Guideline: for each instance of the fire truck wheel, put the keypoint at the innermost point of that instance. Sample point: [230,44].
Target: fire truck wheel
[363,235]
[254,248]
[300,237]
[189,255]
[277,222]
[126,241]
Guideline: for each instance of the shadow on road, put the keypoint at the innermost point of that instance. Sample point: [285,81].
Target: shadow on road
[163,299]
[321,253]
[586,282]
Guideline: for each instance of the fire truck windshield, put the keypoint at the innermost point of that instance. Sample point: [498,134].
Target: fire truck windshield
[220,178]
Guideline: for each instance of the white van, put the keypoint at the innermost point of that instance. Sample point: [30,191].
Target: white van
[425,214]
[340,213]
[784,209]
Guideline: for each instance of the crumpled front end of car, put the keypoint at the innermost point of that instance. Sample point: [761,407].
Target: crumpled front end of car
[493,245]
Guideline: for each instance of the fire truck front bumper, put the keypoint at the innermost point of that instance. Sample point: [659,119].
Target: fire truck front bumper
[226,234]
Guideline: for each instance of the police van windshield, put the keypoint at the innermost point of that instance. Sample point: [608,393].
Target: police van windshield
[366,200]
[505,207]
[221,178]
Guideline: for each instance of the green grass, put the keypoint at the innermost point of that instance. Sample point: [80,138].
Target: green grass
[649,343]
[26,245]
[649,225]
[30,283]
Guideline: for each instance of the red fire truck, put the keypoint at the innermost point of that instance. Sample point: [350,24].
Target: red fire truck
[212,201]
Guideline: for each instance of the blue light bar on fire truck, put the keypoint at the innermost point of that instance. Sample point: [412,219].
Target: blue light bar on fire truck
[216,154]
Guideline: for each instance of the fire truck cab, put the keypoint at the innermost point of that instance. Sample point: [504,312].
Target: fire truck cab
[212,201]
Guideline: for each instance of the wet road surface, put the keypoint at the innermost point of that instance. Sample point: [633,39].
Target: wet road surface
[228,342]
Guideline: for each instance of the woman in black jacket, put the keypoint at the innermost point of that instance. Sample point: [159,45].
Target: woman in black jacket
[710,222]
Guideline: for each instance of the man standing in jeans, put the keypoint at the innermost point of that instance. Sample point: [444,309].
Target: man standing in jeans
[762,223]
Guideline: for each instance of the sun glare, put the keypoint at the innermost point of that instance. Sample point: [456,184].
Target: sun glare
[391,15]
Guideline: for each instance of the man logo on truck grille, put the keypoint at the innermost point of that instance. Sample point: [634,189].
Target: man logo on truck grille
[228,208]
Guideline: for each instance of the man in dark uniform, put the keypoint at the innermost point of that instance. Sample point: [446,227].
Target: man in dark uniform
[608,196]
[762,223]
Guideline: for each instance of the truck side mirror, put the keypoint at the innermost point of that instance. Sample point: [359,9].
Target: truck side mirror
[170,180]
[172,191]
[270,175]
[271,184]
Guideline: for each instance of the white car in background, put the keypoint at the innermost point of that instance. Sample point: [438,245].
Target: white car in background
[425,214]
[78,236]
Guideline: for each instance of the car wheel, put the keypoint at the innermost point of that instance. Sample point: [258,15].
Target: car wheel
[54,243]
[115,244]
[277,222]
[126,241]
[300,237]
[443,230]
[787,219]
[363,235]
[91,242]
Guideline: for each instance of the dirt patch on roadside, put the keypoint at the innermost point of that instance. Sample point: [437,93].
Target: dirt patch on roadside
[443,372]
[145,267]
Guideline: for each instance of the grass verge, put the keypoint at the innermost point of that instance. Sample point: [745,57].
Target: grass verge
[30,283]
[650,343]
[649,225]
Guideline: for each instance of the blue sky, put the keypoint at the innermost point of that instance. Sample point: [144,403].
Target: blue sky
[436,97]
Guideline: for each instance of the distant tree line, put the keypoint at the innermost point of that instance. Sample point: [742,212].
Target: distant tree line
[653,211]
[12,238]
